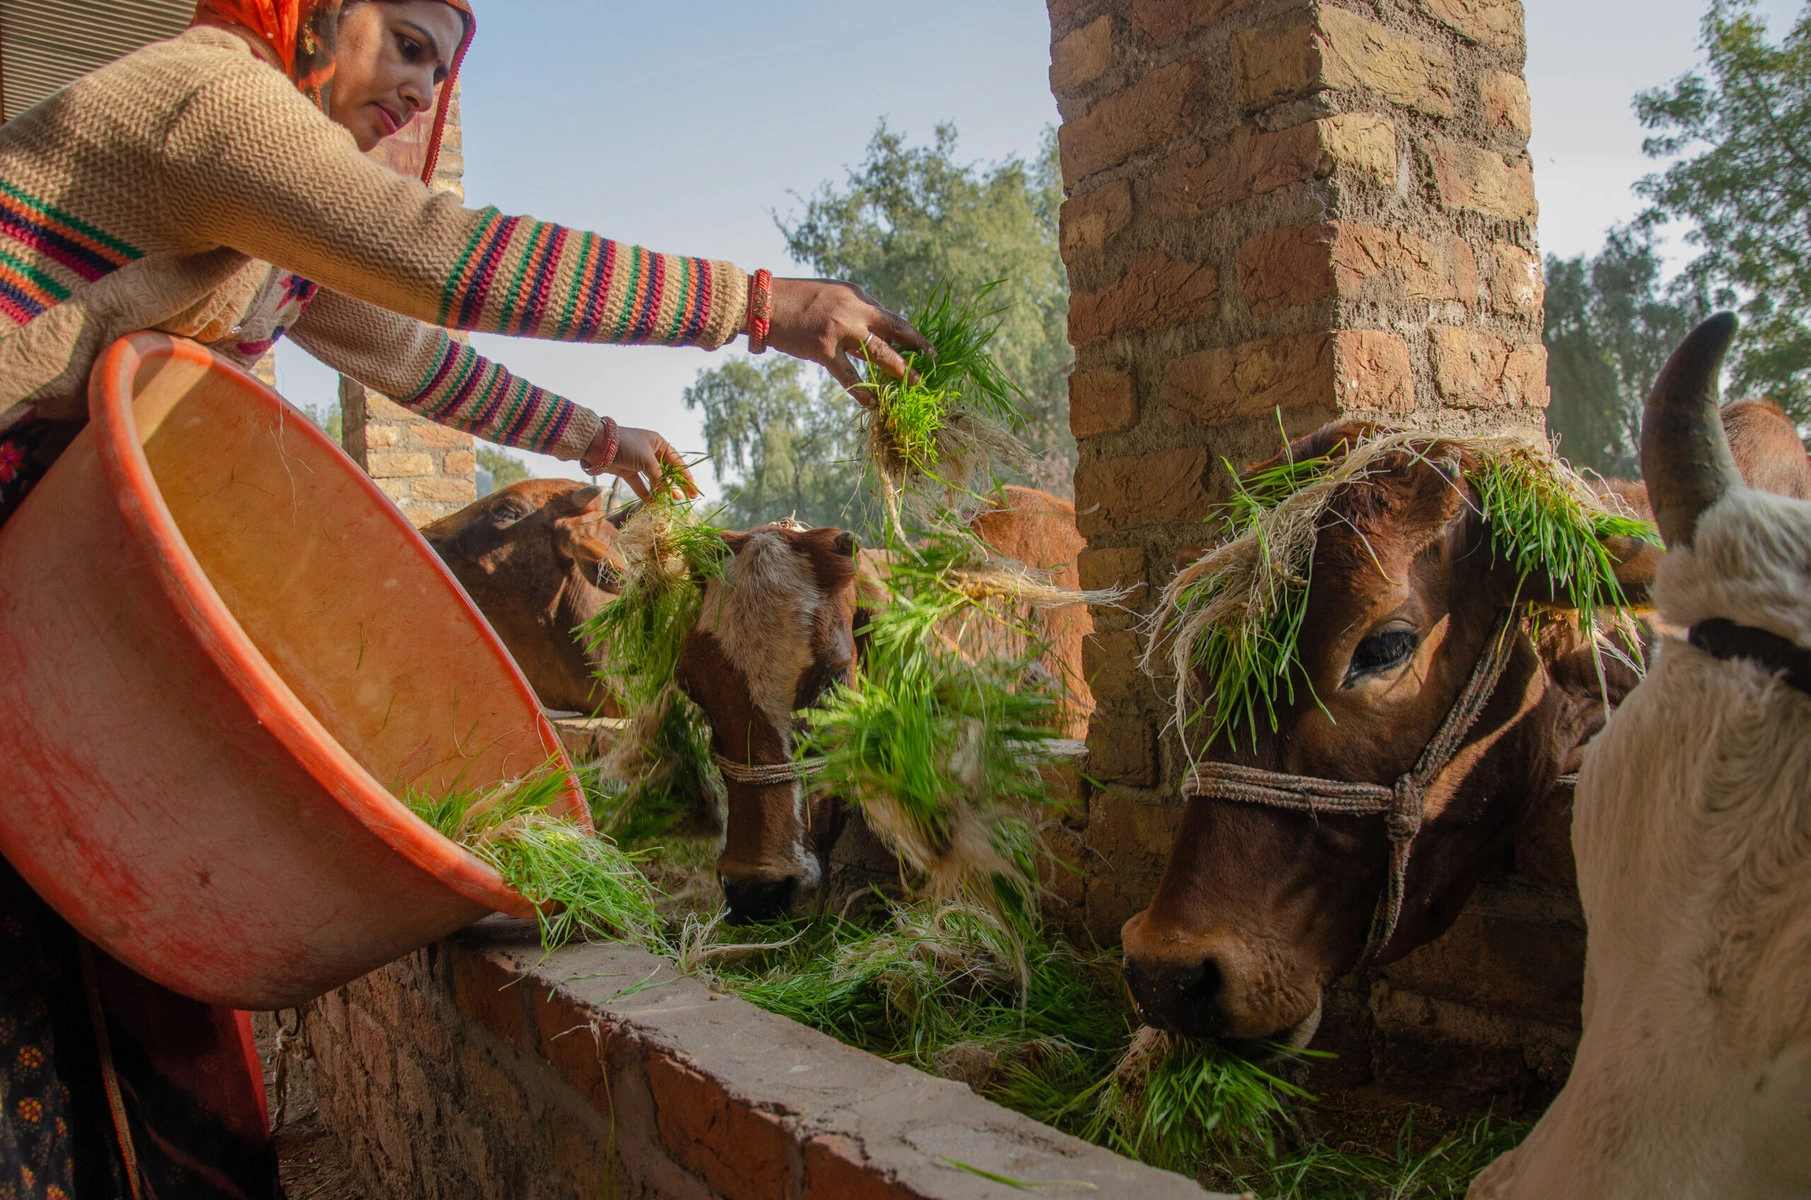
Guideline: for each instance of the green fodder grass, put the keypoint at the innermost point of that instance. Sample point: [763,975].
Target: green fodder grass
[658,776]
[1229,623]
[1440,1169]
[942,749]
[1181,1104]
[952,426]
[935,985]
[938,985]
[583,884]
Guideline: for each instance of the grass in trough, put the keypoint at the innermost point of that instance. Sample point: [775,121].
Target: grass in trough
[934,985]
[583,884]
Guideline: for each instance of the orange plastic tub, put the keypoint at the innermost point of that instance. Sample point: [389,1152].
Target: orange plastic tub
[221,650]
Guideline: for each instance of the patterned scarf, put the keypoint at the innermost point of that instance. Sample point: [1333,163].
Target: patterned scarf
[304,33]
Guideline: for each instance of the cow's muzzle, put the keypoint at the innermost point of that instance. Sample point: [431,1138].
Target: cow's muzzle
[759,899]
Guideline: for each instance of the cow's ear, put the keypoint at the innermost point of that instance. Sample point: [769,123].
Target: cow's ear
[1634,562]
[578,502]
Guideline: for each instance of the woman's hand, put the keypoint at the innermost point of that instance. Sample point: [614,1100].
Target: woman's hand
[641,454]
[827,323]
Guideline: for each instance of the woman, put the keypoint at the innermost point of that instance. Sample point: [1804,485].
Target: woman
[217,186]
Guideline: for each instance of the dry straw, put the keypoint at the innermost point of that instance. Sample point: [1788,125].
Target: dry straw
[1227,624]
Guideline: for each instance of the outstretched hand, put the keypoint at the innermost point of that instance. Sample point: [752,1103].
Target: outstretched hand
[643,459]
[832,324]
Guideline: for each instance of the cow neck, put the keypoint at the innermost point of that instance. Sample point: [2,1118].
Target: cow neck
[1724,639]
[793,770]
[1400,806]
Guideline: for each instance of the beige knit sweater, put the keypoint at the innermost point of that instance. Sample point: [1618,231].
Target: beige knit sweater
[189,187]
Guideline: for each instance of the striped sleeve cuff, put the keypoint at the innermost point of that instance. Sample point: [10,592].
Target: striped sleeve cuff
[529,278]
[470,392]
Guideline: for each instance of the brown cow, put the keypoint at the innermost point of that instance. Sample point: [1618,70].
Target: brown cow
[1260,907]
[777,631]
[538,558]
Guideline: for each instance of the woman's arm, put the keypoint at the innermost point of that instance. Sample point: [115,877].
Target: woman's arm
[249,163]
[423,369]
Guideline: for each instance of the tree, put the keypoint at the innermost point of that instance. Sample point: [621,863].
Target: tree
[503,469]
[328,420]
[1610,326]
[794,445]
[908,218]
[1747,190]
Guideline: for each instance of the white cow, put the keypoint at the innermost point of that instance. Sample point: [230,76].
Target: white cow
[1692,831]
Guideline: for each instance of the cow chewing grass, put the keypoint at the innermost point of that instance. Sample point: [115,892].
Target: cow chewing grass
[1692,833]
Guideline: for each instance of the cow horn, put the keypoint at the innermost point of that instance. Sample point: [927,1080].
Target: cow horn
[1685,456]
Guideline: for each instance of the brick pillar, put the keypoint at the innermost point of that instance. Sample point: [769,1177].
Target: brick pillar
[429,469]
[1278,211]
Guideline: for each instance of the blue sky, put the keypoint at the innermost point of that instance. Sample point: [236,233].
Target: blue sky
[686,126]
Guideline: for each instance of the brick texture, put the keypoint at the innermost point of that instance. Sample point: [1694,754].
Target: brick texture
[1156,293]
[1142,118]
[1330,48]
[1101,401]
[674,1091]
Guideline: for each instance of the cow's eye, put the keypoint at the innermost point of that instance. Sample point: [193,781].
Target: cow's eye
[1381,652]
[508,514]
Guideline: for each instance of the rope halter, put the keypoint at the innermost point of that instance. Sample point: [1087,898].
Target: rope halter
[1400,806]
[767,774]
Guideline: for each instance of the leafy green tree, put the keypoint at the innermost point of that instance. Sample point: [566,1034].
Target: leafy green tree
[503,469]
[909,217]
[791,441]
[328,419]
[1747,189]
[1610,325]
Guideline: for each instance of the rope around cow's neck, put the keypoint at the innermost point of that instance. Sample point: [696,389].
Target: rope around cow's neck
[767,774]
[1400,806]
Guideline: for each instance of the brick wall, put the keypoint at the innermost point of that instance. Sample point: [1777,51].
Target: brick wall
[430,470]
[1281,212]
[481,1069]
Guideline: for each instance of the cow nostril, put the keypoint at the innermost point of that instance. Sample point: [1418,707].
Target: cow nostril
[1182,997]
[758,899]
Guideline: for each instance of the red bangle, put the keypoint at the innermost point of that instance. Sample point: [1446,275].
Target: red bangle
[609,455]
[760,310]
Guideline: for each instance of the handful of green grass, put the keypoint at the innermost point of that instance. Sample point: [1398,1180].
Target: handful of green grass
[953,425]
[939,746]
[658,776]
[582,883]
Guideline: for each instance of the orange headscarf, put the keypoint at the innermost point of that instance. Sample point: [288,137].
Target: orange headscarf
[303,34]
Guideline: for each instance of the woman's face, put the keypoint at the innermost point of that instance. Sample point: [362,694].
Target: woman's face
[390,56]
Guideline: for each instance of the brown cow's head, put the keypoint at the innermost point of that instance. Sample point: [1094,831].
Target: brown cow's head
[1259,907]
[774,633]
[539,559]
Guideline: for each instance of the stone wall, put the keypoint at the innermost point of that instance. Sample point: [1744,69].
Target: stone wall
[428,469]
[481,1069]
[1278,213]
